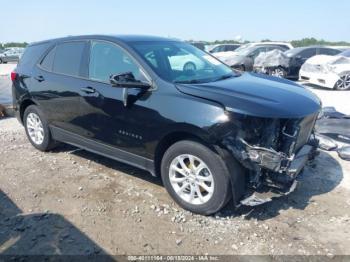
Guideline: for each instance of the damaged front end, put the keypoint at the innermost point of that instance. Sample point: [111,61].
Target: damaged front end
[274,151]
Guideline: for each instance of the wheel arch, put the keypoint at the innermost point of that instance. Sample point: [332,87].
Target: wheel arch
[23,106]
[175,136]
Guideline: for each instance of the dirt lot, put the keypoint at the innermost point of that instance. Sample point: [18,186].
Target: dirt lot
[73,202]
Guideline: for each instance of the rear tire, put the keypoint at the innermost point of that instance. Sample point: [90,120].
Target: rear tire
[37,129]
[196,177]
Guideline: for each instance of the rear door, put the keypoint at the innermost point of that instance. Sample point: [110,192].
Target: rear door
[57,83]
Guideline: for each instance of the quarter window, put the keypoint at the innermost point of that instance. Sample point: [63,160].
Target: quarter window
[107,59]
[68,58]
[48,60]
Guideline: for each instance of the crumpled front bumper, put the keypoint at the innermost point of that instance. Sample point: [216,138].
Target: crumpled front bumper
[266,193]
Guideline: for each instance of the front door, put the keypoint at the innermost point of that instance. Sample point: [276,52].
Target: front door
[104,117]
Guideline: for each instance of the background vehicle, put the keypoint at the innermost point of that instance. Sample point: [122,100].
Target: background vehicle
[11,55]
[244,59]
[212,134]
[296,58]
[328,71]
[199,45]
[224,48]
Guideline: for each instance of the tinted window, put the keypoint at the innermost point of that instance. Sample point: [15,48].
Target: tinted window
[231,47]
[270,48]
[257,51]
[328,51]
[68,58]
[47,62]
[107,59]
[32,55]
[307,53]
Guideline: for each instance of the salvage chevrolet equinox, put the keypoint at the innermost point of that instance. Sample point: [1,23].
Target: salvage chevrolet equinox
[212,134]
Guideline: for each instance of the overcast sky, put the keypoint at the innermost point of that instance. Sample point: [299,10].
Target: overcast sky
[35,20]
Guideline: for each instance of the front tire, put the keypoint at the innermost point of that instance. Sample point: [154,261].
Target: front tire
[343,83]
[37,129]
[196,177]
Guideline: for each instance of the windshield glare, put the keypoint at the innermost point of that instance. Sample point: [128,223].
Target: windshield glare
[180,62]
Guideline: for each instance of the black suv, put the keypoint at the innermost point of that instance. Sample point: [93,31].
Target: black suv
[212,134]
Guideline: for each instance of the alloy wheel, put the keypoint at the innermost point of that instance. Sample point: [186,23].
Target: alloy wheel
[278,72]
[191,179]
[343,83]
[35,128]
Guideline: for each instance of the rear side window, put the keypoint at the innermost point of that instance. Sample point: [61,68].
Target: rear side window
[32,54]
[328,51]
[68,57]
[307,53]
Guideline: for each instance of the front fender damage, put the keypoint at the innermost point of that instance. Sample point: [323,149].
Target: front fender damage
[274,152]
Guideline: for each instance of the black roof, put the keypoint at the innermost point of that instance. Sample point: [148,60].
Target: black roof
[121,38]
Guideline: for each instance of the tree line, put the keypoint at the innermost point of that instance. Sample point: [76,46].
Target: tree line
[13,44]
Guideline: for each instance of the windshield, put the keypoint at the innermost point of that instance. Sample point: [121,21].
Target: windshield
[292,52]
[242,47]
[247,51]
[180,62]
[345,53]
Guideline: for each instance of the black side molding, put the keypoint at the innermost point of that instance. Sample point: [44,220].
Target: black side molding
[62,135]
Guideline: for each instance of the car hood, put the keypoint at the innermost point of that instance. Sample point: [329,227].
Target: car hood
[234,59]
[257,95]
[322,59]
[224,54]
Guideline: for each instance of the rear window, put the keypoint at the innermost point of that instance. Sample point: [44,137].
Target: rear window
[32,54]
[68,58]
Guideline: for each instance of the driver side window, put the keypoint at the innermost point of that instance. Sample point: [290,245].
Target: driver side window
[107,59]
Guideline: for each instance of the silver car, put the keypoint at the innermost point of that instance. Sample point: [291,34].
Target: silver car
[11,55]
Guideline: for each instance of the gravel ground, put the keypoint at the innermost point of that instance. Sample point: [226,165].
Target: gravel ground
[69,201]
[5,83]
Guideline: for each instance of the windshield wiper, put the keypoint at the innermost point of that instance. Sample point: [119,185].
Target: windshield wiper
[193,81]
[226,77]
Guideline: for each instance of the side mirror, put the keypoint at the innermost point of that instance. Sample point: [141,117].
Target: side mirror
[125,81]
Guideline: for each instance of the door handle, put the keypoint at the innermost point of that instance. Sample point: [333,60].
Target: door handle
[39,78]
[88,90]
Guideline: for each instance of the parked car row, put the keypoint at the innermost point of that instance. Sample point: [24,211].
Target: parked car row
[328,71]
[325,66]
[293,60]
[11,55]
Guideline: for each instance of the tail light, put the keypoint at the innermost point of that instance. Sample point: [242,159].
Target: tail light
[13,76]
